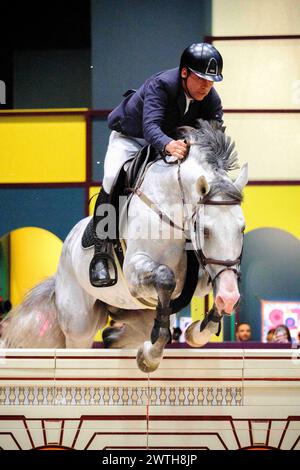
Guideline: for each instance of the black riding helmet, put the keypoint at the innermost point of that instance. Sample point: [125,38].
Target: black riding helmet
[204,60]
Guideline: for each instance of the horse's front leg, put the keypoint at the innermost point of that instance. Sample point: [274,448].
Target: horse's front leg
[148,277]
[199,332]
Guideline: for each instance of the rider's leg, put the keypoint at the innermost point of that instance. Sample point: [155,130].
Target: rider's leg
[99,270]
[120,149]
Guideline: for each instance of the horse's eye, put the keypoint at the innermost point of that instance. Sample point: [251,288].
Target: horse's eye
[206,232]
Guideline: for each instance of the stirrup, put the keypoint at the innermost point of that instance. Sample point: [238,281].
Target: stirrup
[111,265]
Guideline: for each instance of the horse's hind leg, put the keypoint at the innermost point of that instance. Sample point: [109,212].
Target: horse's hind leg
[81,323]
[131,328]
[80,315]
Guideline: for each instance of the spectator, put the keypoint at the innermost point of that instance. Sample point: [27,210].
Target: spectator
[282,335]
[270,335]
[177,332]
[243,332]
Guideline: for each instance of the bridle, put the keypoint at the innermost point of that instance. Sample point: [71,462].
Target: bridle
[204,261]
[198,242]
[196,219]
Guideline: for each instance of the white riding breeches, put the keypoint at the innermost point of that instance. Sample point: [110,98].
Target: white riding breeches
[120,149]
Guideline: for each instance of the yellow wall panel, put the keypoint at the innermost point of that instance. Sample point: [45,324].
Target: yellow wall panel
[98,335]
[34,255]
[270,143]
[272,206]
[42,149]
[197,308]
[94,190]
[255,17]
[43,110]
[197,313]
[260,74]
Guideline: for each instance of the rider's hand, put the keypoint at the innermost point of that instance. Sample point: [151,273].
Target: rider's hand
[177,148]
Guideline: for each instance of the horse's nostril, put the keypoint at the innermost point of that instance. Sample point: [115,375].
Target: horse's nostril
[228,304]
[220,302]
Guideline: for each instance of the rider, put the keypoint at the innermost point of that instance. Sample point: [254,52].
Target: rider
[148,115]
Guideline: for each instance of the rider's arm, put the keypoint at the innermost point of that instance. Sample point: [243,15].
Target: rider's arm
[155,105]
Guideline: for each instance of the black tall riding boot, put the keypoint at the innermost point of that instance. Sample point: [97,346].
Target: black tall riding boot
[103,256]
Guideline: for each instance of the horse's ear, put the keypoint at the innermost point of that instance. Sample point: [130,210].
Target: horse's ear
[242,179]
[202,186]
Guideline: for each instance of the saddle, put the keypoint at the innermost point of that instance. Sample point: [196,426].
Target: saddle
[129,176]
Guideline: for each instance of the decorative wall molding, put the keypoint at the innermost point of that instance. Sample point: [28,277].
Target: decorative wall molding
[121,396]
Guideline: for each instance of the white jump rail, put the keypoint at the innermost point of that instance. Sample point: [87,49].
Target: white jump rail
[197,399]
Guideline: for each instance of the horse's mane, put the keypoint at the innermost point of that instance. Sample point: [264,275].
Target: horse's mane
[218,150]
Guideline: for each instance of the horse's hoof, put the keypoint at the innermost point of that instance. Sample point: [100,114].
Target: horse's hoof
[189,334]
[197,338]
[142,358]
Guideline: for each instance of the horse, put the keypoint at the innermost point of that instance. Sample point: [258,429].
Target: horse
[178,205]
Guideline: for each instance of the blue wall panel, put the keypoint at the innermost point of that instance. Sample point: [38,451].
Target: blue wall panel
[270,271]
[133,40]
[130,42]
[100,136]
[63,78]
[56,210]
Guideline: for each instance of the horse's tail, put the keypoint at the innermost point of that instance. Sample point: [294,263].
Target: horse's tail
[34,323]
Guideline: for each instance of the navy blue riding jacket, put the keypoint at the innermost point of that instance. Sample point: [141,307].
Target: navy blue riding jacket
[158,107]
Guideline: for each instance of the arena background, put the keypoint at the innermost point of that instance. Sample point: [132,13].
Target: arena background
[64,66]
